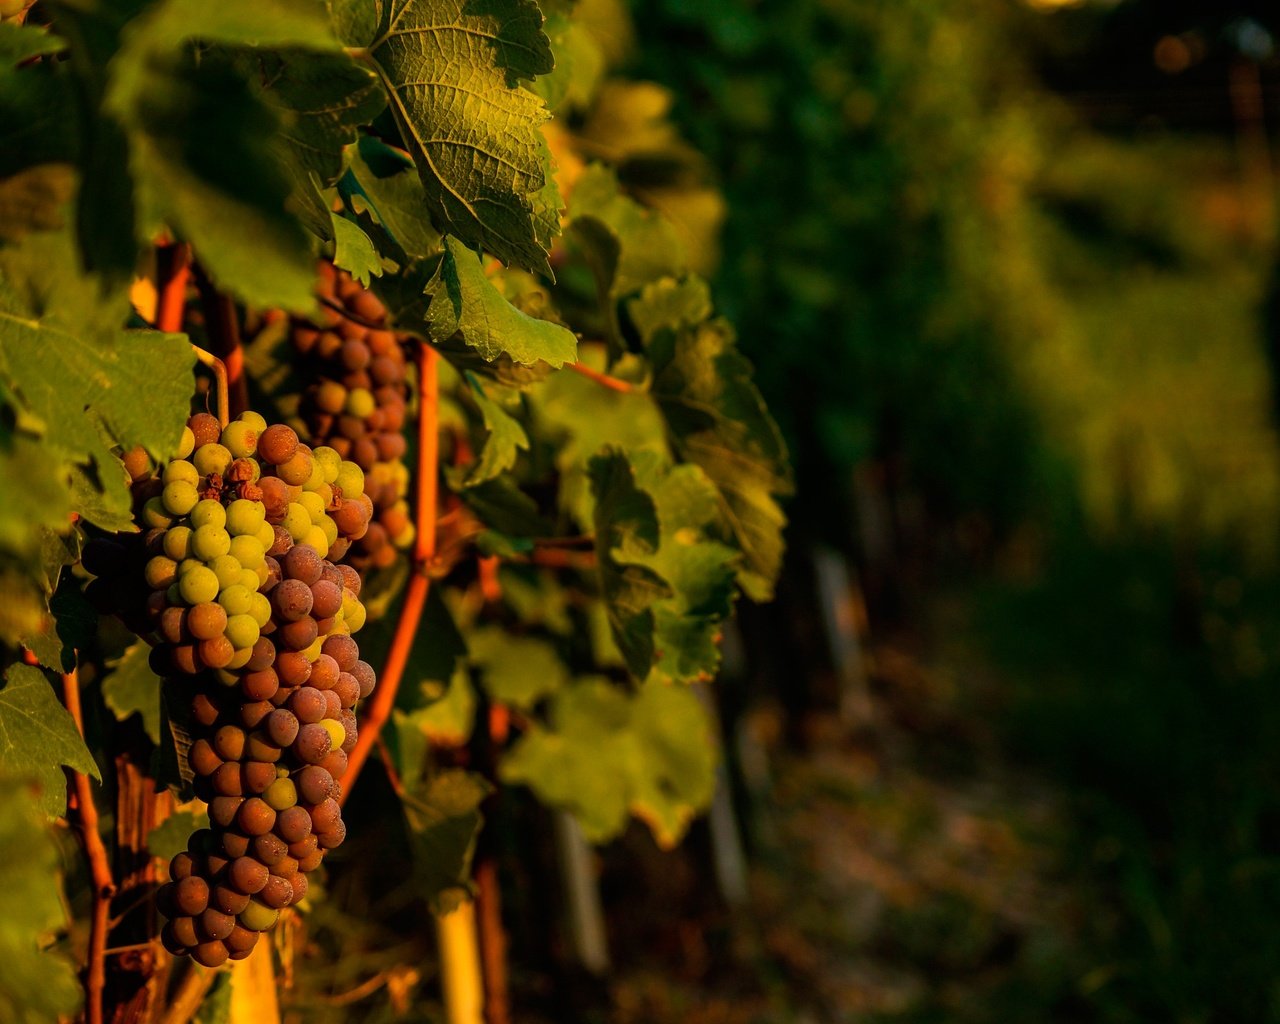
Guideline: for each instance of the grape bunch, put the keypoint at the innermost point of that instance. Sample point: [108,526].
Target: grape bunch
[236,584]
[354,401]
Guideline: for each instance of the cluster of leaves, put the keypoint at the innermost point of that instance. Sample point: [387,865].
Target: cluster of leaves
[406,141]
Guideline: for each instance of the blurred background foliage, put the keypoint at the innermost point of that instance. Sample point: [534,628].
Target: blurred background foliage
[1008,271]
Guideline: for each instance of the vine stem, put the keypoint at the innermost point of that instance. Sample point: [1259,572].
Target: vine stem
[603,379]
[104,885]
[173,270]
[223,327]
[424,549]
[219,369]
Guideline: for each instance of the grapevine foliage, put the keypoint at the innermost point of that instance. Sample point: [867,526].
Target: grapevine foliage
[580,463]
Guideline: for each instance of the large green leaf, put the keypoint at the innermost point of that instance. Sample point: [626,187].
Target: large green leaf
[719,421]
[626,532]
[464,301]
[38,737]
[606,753]
[451,69]
[202,144]
[130,687]
[321,100]
[37,986]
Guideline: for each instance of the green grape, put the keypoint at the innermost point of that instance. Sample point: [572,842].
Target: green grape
[187,444]
[330,530]
[179,471]
[313,652]
[198,585]
[329,460]
[226,568]
[209,513]
[155,515]
[266,535]
[254,420]
[236,599]
[257,916]
[173,595]
[179,497]
[260,609]
[240,659]
[350,480]
[317,539]
[296,521]
[177,542]
[263,575]
[314,505]
[316,480]
[360,403]
[248,551]
[245,517]
[160,572]
[281,794]
[187,564]
[242,631]
[337,734]
[251,579]
[212,458]
[355,617]
[210,541]
[240,439]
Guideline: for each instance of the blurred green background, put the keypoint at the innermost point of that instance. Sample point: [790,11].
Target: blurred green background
[1008,273]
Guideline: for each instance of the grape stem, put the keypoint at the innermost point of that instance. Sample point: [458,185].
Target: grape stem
[104,885]
[219,369]
[424,549]
[603,379]
[223,327]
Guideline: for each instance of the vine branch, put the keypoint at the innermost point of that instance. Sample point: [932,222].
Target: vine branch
[222,324]
[603,379]
[173,270]
[424,549]
[104,885]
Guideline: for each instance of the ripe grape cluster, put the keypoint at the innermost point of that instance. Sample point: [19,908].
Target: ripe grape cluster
[244,609]
[355,400]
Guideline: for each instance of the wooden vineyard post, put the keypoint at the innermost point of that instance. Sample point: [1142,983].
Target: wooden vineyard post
[582,894]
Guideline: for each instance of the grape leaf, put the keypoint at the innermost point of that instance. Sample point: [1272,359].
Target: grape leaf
[444,819]
[130,687]
[353,251]
[75,373]
[33,199]
[518,671]
[38,737]
[35,495]
[719,421]
[699,570]
[383,190]
[451,70]
[627,245]
[20,43]
[626,531]
[71,621]
[37,986]
[321,100]
[202,144]
[579,65]
[506,438]
[583,418]
[464,300]
[605,753]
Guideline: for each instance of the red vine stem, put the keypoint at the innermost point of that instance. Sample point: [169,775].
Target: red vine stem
[223,328]
[104,885]
[173,268]
[220,377]
[424,549]
[603,379]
